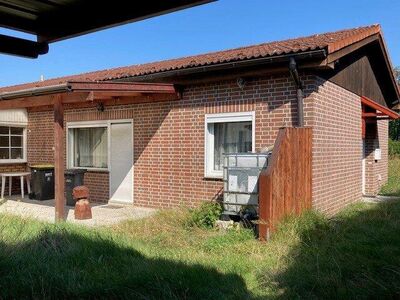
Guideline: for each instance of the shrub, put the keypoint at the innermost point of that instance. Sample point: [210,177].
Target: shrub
[205,215]
[394,148]
[394,126]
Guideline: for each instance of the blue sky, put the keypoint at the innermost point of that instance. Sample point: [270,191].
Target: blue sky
[220,25]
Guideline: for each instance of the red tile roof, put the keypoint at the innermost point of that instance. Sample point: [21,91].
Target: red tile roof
[331,41]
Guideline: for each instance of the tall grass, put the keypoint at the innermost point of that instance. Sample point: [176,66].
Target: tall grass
[392,187]
[354,255]
[394,148]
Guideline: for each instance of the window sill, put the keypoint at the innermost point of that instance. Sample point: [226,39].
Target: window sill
[12,162]
[213,177]
[92,169]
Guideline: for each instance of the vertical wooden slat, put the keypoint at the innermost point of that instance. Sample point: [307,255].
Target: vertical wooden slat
[286,184]
[59,158]
[264,206]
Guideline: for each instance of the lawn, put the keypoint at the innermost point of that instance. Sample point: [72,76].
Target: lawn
[392,187]
[354,255]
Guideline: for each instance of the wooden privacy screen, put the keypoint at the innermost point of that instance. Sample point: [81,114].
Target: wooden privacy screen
[285,186]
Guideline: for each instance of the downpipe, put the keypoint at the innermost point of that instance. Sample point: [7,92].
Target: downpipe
[299,91]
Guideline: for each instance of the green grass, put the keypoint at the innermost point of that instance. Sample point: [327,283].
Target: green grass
[392,187]
[354,255]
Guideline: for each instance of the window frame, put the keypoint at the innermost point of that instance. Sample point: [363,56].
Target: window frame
[90,124]
[249,116]
[24,144]
[70,143]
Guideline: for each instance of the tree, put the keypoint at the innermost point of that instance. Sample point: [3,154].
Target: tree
[394,132]
[396,72]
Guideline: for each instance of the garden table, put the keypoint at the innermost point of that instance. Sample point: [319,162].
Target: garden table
[10,175]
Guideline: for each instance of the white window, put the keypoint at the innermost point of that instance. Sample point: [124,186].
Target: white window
[12,144]
[88,146]
[227,133]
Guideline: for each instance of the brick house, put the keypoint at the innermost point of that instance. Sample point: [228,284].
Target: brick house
[160,151]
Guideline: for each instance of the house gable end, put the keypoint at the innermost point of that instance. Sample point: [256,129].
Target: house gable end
[365,72]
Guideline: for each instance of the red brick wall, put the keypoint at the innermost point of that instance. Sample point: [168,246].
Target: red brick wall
[382,165]
[169,139]
[40,138]
[376,170]
[337,147]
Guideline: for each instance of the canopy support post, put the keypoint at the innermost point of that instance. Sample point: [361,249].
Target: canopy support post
[59,158]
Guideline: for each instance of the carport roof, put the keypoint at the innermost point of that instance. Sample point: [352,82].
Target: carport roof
[55,20]
[80,92]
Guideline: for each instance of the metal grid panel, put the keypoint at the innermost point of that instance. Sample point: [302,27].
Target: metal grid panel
[241,172]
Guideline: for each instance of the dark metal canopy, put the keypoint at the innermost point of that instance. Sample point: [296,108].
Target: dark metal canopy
[55,20]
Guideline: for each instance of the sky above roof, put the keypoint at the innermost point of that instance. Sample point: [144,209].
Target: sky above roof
[217,26]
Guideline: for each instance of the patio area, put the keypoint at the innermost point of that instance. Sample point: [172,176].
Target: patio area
[102,214]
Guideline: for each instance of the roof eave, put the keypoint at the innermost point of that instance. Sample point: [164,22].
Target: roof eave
[317,56]
[36,91]
[389,65]
[89,86]
[386,111]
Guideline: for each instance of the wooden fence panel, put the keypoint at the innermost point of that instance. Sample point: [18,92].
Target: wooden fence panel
[285,187]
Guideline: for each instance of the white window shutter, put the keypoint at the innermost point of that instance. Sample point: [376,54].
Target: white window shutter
[14,117]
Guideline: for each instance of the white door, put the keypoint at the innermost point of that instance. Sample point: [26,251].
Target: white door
[121,162]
